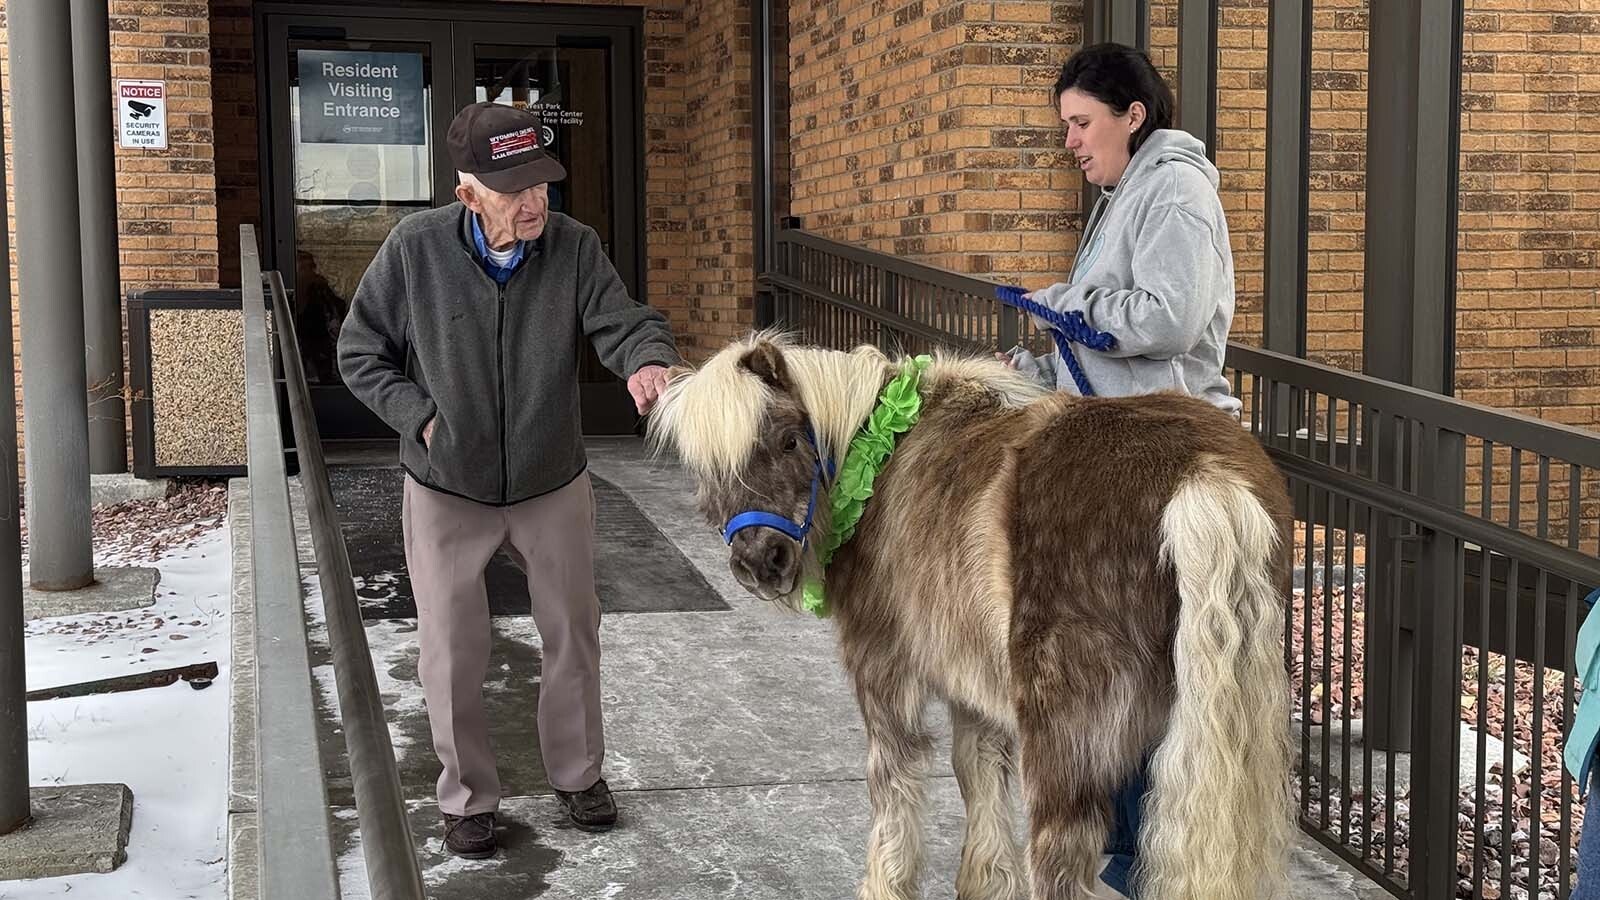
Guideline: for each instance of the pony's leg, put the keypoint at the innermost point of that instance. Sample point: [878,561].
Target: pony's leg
[1081,739]
[897,761]
[982,758]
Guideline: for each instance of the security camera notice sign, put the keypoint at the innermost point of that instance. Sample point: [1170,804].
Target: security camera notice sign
[142,112]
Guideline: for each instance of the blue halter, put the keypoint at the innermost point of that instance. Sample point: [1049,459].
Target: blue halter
[797,531]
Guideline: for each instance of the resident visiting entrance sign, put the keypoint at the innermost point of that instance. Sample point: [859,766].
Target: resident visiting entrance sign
[350,97]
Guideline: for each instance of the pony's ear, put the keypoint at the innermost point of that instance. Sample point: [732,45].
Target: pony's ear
[765,361]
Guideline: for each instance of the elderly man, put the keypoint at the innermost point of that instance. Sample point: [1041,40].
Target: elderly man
[463,336]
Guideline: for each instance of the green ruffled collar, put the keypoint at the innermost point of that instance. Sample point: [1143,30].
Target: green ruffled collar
[899,406]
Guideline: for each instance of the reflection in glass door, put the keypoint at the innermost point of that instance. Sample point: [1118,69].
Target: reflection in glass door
[362,160]
[569,86]
[353,111]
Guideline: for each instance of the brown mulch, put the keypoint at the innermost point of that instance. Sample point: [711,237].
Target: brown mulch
[1484,710]
[145,529]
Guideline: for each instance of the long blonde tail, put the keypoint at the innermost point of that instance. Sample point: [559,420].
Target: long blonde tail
[1218,817]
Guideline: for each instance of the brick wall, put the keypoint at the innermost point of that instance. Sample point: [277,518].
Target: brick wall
[1337,181]
[1530,208]
[666,165]
[166,199]
[925,129]
[1529,214]
[1337,217]
[717,85]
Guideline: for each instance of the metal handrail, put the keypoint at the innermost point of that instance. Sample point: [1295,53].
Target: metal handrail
[292,837]
[1503,427]
[897,322]
[934,275]
[1576,566]
[390,856]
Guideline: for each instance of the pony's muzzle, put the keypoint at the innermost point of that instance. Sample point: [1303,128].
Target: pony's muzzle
[765,562]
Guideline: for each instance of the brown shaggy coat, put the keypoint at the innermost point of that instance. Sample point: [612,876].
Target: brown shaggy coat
[1084,582]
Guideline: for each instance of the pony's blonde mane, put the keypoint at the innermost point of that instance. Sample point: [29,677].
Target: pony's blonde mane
[711,415]
[714,415]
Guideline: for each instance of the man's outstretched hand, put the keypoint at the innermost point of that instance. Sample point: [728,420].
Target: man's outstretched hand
[646,386]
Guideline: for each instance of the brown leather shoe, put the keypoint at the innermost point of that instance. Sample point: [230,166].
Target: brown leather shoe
[470,837]
[592,808]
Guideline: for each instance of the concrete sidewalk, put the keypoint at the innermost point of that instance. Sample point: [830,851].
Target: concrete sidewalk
[734,746]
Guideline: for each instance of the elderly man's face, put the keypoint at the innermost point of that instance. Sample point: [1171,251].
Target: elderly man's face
[508,217]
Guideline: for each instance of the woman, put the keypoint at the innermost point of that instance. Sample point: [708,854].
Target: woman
[1154,267]
[1583,739]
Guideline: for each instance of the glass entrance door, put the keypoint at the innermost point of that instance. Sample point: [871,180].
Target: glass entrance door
[358,106]
[355,112]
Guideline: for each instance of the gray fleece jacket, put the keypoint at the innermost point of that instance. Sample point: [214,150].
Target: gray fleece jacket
[1154,268]
[430,335]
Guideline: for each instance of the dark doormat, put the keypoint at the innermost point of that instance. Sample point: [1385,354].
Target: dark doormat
[636,568]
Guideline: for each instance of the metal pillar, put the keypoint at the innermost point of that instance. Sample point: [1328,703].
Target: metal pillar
[14,807]
[1288,174]
[761,219]
[50,278]
[97,207]
[1413,136]
[1413,129]
[761,116]
[1436,720]
[1130,22]
[1122,21]
[1197,71]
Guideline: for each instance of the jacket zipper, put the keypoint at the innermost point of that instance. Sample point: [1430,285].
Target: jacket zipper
[1101,204]
[500,376]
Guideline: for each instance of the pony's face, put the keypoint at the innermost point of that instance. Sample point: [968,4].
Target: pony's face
[738,424]
[776,479]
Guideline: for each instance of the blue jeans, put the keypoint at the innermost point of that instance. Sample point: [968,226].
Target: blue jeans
[1123,841]
[1589,844]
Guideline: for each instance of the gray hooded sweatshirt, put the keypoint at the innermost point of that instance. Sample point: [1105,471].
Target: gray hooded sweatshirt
[1155,270]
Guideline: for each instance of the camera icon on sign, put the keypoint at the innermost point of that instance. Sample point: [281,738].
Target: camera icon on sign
[140,110]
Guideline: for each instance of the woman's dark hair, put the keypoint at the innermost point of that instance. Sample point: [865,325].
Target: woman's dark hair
[1117,75]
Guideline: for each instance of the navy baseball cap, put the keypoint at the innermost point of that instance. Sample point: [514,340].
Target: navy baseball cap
[503,147]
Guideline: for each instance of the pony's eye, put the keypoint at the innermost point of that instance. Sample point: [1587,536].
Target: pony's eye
[791,444]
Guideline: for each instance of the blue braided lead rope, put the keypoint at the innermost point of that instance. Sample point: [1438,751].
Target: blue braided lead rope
[1066,329]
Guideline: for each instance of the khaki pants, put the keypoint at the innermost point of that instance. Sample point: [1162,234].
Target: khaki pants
[449,541]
